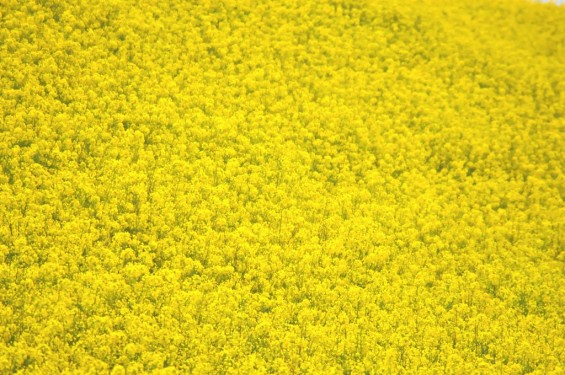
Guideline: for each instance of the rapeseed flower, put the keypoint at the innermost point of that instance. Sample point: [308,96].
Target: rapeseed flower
[353,187]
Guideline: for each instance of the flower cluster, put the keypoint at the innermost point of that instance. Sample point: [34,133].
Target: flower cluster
[336,186]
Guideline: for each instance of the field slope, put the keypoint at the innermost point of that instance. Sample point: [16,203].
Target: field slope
[289,187]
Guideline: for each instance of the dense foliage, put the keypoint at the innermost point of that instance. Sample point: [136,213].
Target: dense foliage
[334,186]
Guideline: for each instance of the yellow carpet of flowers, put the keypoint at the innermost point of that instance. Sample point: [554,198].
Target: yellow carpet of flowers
[288,187]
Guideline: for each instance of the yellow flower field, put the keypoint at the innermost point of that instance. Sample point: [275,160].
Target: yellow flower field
[287,187]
